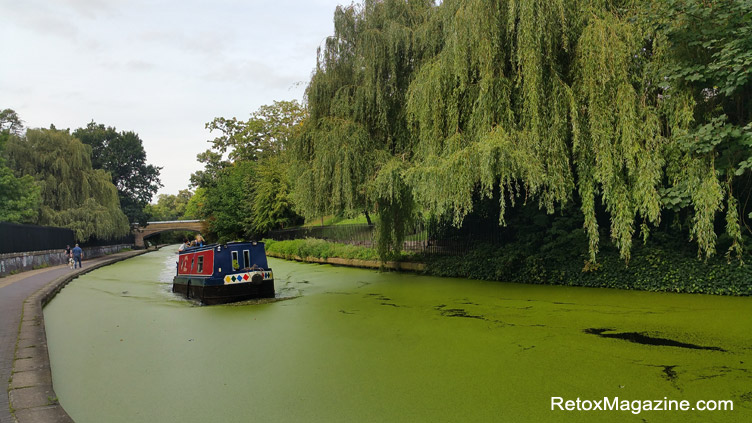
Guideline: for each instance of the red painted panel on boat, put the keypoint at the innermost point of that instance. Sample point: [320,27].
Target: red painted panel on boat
[188,263]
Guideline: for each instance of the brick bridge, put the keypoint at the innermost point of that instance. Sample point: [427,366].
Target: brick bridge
[153,228]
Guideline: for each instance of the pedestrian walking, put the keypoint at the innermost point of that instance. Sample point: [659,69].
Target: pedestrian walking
[78,254]
[69,256]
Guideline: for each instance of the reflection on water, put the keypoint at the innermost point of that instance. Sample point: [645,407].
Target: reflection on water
[357,345]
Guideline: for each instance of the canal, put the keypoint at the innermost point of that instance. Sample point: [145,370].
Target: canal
[354,345]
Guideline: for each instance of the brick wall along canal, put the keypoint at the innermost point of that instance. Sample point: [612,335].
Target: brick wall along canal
[360,346]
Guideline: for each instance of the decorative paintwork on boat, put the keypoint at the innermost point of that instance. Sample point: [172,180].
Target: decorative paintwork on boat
[217,274]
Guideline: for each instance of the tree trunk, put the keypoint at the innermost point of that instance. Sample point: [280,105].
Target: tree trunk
[368,218]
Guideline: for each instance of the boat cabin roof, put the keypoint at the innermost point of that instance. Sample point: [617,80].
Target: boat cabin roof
[255,249]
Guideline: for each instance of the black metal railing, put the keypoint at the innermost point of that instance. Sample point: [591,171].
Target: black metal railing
[420,238]
[355,234]
[129,239]
[17,238]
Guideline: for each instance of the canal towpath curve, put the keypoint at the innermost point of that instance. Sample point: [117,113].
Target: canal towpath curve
[24,361]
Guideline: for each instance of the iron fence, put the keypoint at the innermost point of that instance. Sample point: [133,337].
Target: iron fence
[356,234]
[17,238]
[422,238]
[129,239]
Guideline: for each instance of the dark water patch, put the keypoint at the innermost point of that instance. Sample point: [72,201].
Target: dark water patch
[338,293]
[560,303]
[640,338]
[361,284]
[526,348]
[283,292]
[390,304]
[378,297]
[460,312]
[669,373]
[746,397]
[346,312]
[718,371]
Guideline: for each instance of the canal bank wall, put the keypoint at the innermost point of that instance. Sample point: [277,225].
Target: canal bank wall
[11,263]
[31,395]
[366,264]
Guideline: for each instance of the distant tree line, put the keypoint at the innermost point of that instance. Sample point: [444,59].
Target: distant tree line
[94,181]
[244,189]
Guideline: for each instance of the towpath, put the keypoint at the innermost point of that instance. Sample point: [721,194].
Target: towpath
[14,290]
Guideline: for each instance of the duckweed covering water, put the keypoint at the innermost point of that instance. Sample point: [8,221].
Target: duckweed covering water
[358,346]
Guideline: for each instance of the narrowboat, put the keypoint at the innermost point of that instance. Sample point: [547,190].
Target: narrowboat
[218,274]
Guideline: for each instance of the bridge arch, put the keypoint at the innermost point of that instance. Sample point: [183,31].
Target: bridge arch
[153,228]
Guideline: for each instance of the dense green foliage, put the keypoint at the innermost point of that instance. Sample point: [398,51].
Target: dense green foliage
[229,202]
[74,195]
[709,74]
[264,135]
[653,267]
[170,207]
[623,110]
[247,194]
[195,206]
[122,154]
[19,197]
[352,150]
[272,206]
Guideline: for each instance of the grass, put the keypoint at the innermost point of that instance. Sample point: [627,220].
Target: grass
[319,248]
[338,220]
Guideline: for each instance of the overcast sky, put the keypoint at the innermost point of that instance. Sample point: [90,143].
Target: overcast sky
[159,68]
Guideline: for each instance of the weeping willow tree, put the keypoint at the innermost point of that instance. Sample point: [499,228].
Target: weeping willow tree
[73,194]
[356,141]
[558,102]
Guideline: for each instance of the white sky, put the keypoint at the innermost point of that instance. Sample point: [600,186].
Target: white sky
[159,68]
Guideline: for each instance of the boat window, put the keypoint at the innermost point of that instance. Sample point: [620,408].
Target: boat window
[200,264]
[193,259]
[247,258]
[235,264]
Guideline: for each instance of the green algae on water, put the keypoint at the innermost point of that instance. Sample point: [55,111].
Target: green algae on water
[364,346]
